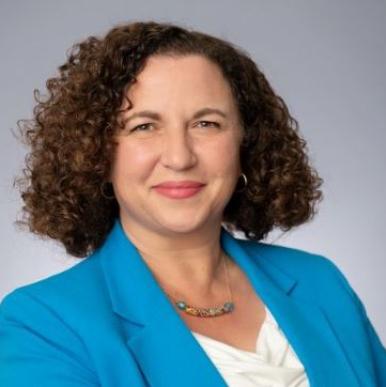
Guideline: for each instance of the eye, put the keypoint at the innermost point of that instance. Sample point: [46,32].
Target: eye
[209,123]
[140,128]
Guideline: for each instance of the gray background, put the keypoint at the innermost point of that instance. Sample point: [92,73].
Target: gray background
[326,59]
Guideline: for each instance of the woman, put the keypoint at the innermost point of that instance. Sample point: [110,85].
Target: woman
[153,145]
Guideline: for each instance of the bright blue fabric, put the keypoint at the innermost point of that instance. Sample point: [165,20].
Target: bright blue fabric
[106,322]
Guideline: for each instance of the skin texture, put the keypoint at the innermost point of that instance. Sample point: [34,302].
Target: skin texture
[179,238]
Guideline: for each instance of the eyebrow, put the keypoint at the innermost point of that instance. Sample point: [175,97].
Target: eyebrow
[156,116]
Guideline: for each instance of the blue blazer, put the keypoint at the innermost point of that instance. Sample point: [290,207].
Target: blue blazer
[106,322]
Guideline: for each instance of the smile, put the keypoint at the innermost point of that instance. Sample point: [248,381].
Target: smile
[178,193]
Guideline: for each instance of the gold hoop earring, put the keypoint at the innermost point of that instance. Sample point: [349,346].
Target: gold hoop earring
[244,176]
[103,190]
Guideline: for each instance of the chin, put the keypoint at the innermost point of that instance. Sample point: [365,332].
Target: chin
[183,226]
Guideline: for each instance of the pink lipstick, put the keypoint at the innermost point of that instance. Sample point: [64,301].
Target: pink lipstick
[179,189]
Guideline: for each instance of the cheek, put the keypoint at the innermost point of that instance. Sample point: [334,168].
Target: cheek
[224,155]
[131,160]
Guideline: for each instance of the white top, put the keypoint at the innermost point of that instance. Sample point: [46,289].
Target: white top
[274,364]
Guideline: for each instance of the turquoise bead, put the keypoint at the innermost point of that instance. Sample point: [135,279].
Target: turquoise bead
[229,306]
[181,305]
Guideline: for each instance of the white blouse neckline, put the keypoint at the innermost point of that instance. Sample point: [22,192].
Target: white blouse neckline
[269,319]
[273,364]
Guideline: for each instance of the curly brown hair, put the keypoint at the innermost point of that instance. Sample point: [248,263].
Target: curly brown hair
[71,139]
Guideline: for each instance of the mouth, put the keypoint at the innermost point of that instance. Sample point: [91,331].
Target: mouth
[180,184]
[179,190]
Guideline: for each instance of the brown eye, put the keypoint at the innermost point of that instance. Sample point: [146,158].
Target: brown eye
[209,124]
[140,128]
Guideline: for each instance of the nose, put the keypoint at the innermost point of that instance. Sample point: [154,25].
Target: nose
[178,152]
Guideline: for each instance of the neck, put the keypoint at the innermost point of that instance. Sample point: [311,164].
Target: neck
[182,261]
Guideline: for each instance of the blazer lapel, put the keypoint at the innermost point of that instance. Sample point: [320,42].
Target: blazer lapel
[304,324]
[164,347]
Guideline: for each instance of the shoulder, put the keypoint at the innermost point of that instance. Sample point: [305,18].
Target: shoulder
[59,296]
[313,279]
[321,282]
[292,260]
[45,322]
[316,275]
[52,314]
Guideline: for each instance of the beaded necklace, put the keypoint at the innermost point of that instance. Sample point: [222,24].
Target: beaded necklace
[215,311]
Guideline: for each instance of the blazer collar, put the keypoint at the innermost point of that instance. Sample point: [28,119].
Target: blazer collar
[164,347]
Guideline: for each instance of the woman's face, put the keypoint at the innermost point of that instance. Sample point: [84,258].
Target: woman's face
[165,139]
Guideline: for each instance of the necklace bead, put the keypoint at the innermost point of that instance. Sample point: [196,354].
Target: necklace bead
[181,305]
[206,312]
[227,307]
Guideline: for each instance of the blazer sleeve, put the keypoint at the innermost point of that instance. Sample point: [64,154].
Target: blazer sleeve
[37,348]
[378,350]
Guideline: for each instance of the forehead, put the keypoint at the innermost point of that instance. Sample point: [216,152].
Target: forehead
[179,78]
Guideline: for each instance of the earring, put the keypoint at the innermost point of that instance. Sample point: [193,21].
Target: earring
[244,176]
[103,190]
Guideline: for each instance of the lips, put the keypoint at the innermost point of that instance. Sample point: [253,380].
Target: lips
[180,184]
[180,189]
